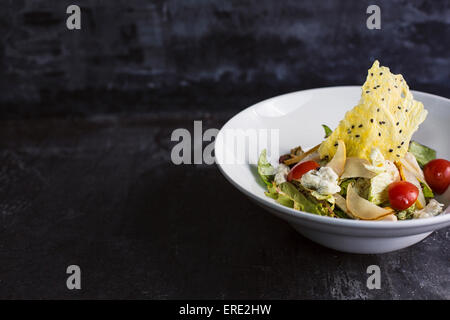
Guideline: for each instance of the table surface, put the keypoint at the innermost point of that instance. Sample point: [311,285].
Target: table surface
[102,193]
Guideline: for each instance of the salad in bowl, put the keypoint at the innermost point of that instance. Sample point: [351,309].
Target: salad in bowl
[367,168]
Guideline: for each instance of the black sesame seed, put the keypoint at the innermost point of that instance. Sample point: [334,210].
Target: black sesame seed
[360,126]
[371,120]
[398,155]
[367,91]
[381,73]
[382,99]
[380,122]
[397,123]
[406,110]
[353,126]
[390,150]
[371,74]
[379,134]
[399,108]
[400,131]
[402,143]
[336,144]
[375,88]
[357,136]
[378,85]
[378,110]
[389,89]
[399,147]
[396,86]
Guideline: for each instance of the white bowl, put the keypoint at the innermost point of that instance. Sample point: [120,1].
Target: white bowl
[299,116]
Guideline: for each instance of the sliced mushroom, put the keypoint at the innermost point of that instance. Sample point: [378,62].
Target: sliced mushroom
[392,169]
[297,151]
[340,202]
[302,156]
[362,208]
[355,167]
[315,156]
[338,161]
[389,217]
[410,162]
[407,175]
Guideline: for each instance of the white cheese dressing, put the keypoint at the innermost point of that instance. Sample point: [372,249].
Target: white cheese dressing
[431,209]
[324,181]
[281,173]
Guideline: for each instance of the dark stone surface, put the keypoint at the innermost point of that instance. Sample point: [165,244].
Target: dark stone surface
[85,124]
[169,55]
[102,193]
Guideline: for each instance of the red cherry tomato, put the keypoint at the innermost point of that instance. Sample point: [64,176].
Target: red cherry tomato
[402,194]
[300,169]
[437,174]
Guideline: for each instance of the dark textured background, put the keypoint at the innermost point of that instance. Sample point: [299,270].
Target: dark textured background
[137,55]
[85,124]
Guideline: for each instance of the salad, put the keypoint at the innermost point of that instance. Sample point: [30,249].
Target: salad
[367,168]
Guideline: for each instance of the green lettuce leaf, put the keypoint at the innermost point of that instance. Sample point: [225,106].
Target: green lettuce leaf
[378,191]
[328,131]
[340,214]
[319,196]
[265,170]
[427,192]
[272,191]
[406,214]
[285,201]
[362,186]
[422,153]
[304,201]
[344,184]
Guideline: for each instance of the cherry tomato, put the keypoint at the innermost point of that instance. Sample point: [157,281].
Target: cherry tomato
[300,169]
[437,175]
[402,194]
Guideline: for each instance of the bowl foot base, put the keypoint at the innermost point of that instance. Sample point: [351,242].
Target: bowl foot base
[365,245]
